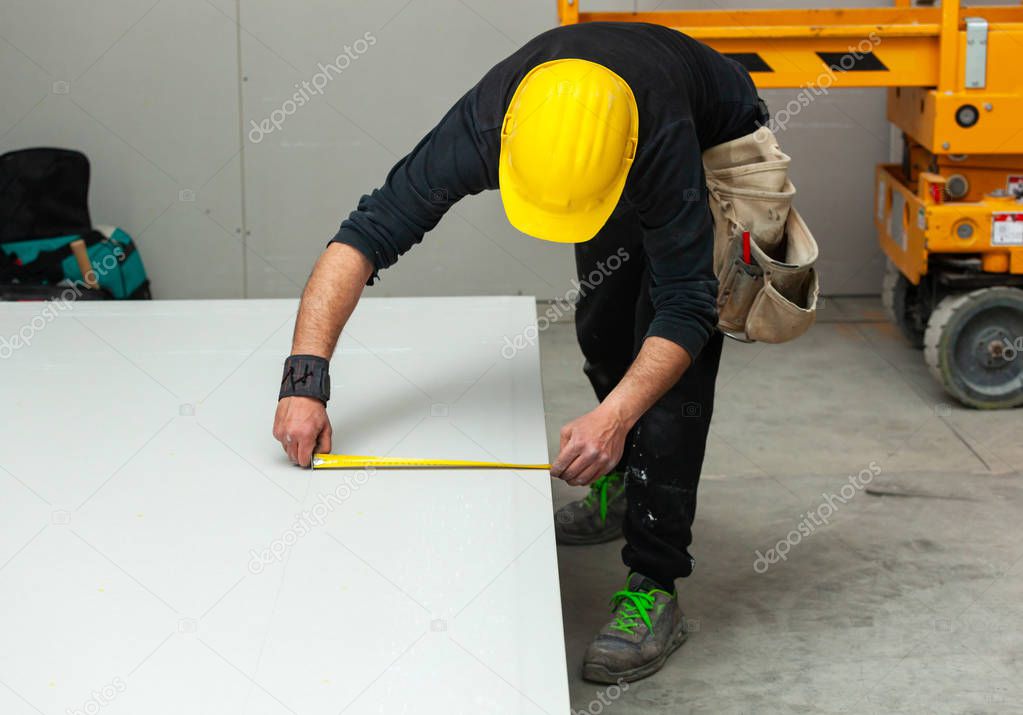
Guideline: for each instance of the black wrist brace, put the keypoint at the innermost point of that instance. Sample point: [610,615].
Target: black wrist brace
[306,376]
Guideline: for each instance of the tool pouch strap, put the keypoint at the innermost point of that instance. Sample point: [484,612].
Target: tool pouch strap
[306,376]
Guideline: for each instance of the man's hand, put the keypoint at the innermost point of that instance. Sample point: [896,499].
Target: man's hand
[302,427]
[591,446]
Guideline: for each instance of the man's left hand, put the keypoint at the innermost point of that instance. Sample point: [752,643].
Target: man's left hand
[591,446]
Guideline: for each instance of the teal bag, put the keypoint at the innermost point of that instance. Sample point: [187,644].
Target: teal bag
[116,263]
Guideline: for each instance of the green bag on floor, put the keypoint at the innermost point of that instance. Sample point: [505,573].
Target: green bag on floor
[116,263]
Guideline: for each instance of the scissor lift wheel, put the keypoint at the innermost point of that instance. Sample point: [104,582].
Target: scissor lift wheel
[972,345]
[904,309]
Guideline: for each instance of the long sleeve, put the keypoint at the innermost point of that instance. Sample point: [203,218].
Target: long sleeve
[454,160]
[678,237]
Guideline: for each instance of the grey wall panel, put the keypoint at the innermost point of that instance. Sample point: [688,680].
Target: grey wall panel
[304,178]
[65,38]
[149,91]
[835,142]
[25,84]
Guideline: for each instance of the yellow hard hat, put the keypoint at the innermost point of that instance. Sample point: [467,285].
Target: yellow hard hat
[567,143]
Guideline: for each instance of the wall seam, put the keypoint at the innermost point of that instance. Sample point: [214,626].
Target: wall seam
[241,149]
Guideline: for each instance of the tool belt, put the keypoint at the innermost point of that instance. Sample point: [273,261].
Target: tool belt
[764,254]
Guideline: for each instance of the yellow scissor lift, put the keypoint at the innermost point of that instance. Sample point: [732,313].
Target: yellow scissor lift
[950,217]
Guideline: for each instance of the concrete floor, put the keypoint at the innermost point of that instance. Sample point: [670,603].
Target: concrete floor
[908,600]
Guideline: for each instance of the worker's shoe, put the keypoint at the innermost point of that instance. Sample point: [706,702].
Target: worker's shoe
[646,627]
[598,517]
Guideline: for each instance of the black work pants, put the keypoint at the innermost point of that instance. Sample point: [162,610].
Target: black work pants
[664,451]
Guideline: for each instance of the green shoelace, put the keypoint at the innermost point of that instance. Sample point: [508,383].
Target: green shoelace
[599,490]
[634,605]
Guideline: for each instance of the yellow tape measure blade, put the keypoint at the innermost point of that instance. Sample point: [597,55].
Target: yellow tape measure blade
[356,461]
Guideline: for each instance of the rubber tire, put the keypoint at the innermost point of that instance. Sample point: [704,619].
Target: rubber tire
[943,327]
[895,292]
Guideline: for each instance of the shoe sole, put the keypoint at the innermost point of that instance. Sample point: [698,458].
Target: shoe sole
[588,540]
[599,674]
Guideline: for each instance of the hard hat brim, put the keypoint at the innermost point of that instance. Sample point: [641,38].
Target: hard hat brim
[556,226]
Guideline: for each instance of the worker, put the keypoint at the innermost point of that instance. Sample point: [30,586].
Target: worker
[593,133]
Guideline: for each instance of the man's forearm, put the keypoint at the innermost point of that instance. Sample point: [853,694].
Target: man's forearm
[330,296]
[655,370]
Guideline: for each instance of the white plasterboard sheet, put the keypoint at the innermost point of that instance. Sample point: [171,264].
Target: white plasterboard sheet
[140,490]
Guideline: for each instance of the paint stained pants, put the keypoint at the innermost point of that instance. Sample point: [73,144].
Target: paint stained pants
[664,451]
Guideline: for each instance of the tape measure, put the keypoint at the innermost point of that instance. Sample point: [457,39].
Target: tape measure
[361,461]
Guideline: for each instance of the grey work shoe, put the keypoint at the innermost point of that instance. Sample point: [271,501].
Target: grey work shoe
[647,627]
[595,519]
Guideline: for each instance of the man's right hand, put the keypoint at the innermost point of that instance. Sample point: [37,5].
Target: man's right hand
[302,427]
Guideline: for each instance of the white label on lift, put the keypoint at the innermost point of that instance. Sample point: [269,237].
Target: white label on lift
[1014,185]
[921,219]
[1007,229]
[897,220]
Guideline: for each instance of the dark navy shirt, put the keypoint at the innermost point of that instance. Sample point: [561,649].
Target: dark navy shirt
[690,98]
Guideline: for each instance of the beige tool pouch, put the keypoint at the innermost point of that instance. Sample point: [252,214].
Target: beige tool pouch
[772,297]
